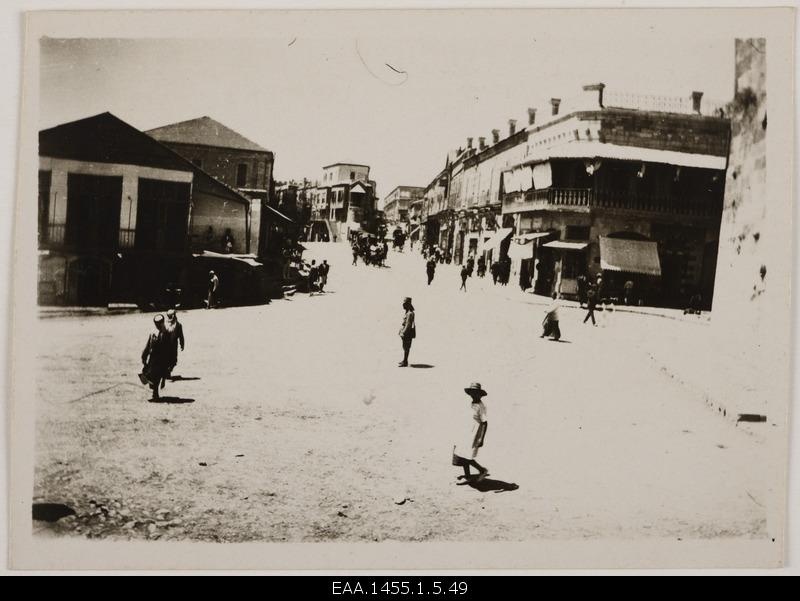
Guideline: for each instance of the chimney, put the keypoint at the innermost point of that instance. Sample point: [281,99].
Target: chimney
[555,102]
[512,127]
[531,116]
[696,98]
[596,88]
[482,143]
[469,143]
[495,136]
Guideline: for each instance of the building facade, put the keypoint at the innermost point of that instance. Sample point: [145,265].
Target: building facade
[121,214]
[343,201]
[397,204]
[235,161]
[627,187]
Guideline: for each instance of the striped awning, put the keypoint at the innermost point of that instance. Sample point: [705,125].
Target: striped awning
[630,256]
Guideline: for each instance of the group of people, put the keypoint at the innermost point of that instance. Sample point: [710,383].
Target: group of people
[160,354]
[371,250]
[316,275]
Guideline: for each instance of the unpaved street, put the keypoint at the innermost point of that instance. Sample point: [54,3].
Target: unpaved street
[295,423]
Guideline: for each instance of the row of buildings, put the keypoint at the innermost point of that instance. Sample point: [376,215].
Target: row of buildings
[630,187]
[124,213]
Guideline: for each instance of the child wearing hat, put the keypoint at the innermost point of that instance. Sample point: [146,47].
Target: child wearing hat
[466,450]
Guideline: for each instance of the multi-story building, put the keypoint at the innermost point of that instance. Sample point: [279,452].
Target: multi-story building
[342,201]
[397,203]
[630,187]
[120,214]
[237,162]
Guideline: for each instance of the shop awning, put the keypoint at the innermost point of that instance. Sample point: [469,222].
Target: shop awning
[565,245]
[279,214]
[498,237]
[630,256]
[525,238]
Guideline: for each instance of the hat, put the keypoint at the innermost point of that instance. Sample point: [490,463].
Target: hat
[475,387]
[158,318]
[171,313]
[407,300]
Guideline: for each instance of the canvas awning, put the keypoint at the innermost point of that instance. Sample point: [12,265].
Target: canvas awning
[565,245]
[525,238]
[498,237]
[630,256]
[278,213]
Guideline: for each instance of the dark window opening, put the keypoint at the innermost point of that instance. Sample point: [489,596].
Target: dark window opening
[45,178]
[162,215]
[577,232]
[241,175]
[93,208]
[352,175]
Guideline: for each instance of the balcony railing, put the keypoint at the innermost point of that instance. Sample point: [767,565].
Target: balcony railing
[554,198]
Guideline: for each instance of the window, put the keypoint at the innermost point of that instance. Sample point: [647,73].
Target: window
[197,163]
[44,204]
[577,232]
[352,175]
[241,175]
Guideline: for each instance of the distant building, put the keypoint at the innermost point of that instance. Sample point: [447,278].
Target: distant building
[627,186]
[236,161]
[120,213]
[397,203]
[344,199]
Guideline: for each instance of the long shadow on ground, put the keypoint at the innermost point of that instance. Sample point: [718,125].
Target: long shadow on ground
[490,485]
[171,400]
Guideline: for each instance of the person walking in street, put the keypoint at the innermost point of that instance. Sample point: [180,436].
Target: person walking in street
[495,269]
[481,266]
[408,330]
[156,357]
[213,286]
[550,323]
[174,329]
[313,276]
[355,253]
[324,268]
[591,303]
[430,267]
[470,265]
[469,443]
[464,276]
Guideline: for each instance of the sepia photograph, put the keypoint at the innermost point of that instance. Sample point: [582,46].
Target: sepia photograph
[446,289]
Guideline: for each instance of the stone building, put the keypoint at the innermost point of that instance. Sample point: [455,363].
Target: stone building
[630,187]
[237,162]
[342,202]
[398,202]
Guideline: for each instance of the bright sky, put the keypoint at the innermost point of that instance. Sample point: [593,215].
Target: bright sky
[334,99]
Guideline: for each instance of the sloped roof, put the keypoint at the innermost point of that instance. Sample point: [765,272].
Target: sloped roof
[105,138]
[204,131]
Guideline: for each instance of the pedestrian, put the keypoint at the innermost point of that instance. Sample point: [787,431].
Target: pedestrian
[628,288]
[481,266]
[213,286]
[355,253]
[156,357]
[430,267]
[174,329]
[495,269]
[550,323]
[471,440]
[591,303]
[464,276]
[313,275]
[228,242]
[323,274]
[470,265]
[408,330]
